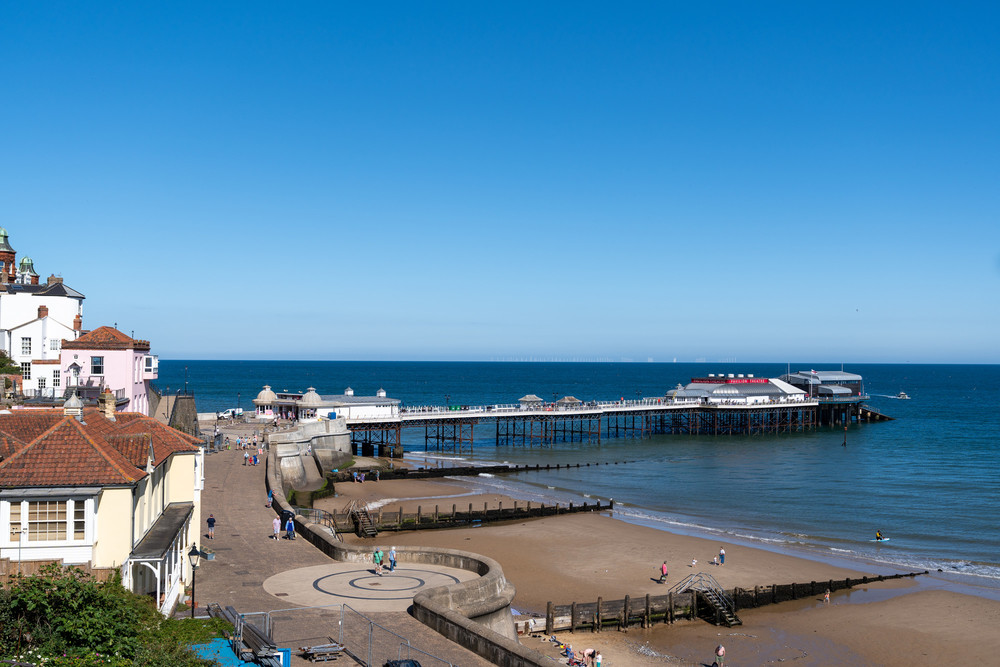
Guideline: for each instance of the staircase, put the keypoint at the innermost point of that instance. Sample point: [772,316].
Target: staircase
[712,594]
[364,525]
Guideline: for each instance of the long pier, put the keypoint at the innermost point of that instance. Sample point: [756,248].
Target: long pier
[454,428]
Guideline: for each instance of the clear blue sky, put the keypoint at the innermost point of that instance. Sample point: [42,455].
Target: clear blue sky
[466,180]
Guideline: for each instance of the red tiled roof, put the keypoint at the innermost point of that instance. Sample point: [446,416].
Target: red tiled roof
[48,448]
[105,338]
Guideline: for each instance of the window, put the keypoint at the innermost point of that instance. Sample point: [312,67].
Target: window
[55,344]
[49,520]
[97,365]
[46,520]
[56,377]
[26,370]
[25,346]
[41,383]
[79,520]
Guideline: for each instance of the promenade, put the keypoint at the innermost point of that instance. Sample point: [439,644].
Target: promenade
[255,573]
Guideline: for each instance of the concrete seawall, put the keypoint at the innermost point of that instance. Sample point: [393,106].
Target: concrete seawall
[474,614]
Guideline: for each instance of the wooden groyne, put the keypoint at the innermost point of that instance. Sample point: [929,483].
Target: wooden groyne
[645,611]
[458,471]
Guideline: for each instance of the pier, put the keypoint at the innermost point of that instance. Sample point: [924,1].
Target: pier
[454,428]
[714,405]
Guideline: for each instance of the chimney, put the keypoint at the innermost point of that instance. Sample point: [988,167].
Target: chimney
[77,324]
[43,311]
[106,404]
[54,280]
[4,278]
[34,280]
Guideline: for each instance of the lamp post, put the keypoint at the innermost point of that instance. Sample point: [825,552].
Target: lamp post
[638,393]
[237,400]
[194,555]
[447,400]
[20,539]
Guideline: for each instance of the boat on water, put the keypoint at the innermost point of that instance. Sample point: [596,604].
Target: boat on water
[902,396]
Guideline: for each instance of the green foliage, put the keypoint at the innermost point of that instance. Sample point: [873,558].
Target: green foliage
[65,617]
[8,367]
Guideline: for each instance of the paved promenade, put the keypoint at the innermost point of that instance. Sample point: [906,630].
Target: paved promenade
[255,573]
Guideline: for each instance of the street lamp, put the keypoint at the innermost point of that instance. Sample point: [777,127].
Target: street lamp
[237,400]
[20,539]
[638,393]
[194,555]
[447,399]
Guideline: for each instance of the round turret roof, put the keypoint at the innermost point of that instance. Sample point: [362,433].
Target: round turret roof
[266,396]
[310,399]
[28,266]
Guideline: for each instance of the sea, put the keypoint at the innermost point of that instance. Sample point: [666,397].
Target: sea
[928,479]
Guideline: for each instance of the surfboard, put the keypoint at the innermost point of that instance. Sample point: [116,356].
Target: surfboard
[884,539]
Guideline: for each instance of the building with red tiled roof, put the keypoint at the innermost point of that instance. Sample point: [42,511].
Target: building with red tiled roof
[106,358]
[115,490]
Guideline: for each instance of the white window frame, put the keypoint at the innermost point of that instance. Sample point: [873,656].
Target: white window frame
[75,519]
[55,345]
[97,367]
[26,345]
[25,370]
[56,378]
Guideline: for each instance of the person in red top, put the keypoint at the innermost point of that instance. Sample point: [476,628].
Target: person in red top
[663,572]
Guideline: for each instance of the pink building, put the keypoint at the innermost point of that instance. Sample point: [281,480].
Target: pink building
[107,358]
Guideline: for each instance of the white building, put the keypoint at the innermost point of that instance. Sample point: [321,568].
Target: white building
[34,320]
[737,389]
[310,405]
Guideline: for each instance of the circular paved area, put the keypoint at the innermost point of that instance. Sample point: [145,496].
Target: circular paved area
[357,585]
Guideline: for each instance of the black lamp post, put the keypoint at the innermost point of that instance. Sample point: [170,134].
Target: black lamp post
[638,393]
[194,555]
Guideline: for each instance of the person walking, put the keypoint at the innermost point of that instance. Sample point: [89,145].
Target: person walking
[663,572]
[377,559]
[392,559]
[270,496]
[722,556]
[276,528]
[290,529]
[720,656]
[211,526]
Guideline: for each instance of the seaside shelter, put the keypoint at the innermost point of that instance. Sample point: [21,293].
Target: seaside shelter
[530,401]
[102,489]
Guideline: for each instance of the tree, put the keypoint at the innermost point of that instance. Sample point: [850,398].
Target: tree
[65,617]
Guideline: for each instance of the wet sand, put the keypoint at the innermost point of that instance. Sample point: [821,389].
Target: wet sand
[582,556]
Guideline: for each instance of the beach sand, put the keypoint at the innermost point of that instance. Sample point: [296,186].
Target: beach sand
[584,556]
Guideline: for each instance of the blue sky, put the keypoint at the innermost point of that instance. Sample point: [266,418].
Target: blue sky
[748,181]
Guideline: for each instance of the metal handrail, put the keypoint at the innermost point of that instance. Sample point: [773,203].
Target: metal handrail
[703,581]
[320,516]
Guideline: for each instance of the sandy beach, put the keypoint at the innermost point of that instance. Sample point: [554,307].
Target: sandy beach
[580,557]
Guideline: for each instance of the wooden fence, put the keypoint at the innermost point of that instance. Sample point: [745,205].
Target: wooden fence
[9,569]
[649,609]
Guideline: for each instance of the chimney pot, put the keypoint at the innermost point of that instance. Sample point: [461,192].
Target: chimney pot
[43,311]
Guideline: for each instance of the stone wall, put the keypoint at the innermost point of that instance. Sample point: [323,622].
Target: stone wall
[475,614]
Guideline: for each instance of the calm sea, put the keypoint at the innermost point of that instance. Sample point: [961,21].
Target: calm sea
[927,480]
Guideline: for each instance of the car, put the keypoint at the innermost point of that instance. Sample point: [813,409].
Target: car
[229,413]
